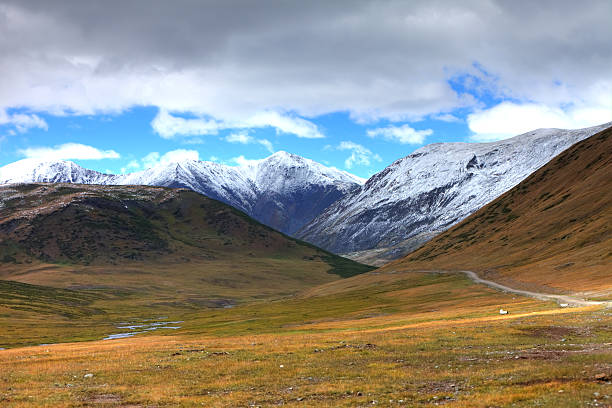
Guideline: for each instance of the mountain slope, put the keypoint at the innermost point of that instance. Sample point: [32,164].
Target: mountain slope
[292,190]
[283,191]
[152,243]
[432,189]
[552,231]
[217,181]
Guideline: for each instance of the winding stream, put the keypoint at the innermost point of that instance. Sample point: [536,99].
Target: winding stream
[143,326]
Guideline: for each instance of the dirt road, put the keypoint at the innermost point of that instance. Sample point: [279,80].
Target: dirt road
[561,299]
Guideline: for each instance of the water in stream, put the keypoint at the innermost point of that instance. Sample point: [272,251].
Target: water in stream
[143,326]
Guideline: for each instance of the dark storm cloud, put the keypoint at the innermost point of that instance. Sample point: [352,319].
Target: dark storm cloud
[232,59]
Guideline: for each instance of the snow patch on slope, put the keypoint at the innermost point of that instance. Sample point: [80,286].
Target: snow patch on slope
[434,188]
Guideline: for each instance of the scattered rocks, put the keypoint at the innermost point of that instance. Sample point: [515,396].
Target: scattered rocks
[367,346]
[105,399]
[603,377]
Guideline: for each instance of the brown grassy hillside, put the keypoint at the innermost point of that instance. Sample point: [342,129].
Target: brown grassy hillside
[552,231]
[152,246]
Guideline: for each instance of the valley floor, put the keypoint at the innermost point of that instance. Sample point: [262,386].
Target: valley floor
[401,339]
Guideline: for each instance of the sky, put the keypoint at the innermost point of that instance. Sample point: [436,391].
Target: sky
[120,86]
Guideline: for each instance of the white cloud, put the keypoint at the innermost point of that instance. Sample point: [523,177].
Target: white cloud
[360,155]
[446,117]
[242,161]
[373,60]
[133,165]
[192,141]
[69,151]
[243,137]
[240,137]
[169,126]
[403,134]
[510,119]
[284,124]
[154,158]
[22,122]
[267,144]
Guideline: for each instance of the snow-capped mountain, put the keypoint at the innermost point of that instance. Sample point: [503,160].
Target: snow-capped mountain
[218,181]
[432,189]
[293,190]
[49,171]
[284,191]
[394,212]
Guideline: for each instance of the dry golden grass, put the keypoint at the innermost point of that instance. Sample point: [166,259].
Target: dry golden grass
[422,339]
[552,232]
[462,364]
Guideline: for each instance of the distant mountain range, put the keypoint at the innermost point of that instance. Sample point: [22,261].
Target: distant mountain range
[283,191]
[391,214]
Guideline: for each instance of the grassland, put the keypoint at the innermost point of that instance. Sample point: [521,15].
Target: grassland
[76,260]
[407,339]
[107,253]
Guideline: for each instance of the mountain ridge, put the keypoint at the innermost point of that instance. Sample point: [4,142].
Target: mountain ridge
[430,190]
[266,189]
[551,231]
[376,220]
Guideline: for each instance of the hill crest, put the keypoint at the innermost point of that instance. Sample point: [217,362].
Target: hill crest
[552,231]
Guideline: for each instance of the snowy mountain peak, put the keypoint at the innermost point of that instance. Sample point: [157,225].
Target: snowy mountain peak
[281,154]
[290,168]
[266,189]
[432,189]
[49,171]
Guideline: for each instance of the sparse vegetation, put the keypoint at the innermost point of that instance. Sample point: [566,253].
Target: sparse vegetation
[267,320]
[400,339]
